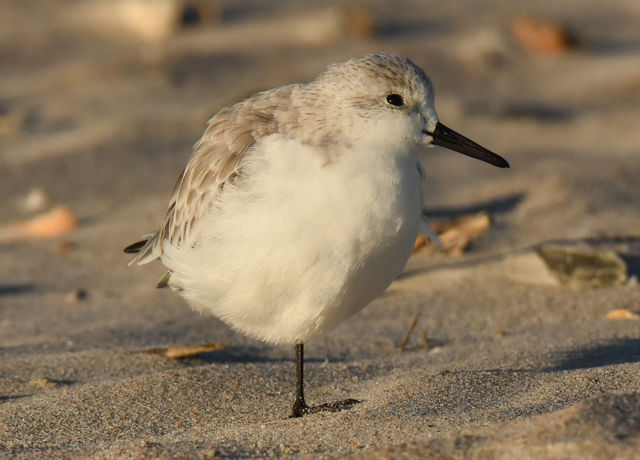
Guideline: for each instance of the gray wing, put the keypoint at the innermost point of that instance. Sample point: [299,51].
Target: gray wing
[216,159]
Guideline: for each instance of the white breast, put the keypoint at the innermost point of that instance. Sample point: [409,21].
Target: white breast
[297,244]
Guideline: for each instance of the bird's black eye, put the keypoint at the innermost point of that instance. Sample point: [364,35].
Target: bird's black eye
[395,100]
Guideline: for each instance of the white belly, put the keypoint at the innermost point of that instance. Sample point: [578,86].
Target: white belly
[295,245]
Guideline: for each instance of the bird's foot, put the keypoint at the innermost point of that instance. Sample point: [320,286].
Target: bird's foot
[334,406]
[300,408]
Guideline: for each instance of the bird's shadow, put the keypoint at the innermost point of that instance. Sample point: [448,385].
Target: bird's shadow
[610,352]
[391,28]
[612,46]
[529,110]
[606,353]
[247,354]
[496,206]
[15,289]
[7,398]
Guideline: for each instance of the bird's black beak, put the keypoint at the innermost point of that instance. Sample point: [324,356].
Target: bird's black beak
[447,137]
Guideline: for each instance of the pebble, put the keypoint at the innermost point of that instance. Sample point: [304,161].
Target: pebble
[584,266]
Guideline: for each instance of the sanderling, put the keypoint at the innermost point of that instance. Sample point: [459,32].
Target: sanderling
[301,204]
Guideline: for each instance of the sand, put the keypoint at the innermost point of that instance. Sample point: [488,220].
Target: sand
[505,359]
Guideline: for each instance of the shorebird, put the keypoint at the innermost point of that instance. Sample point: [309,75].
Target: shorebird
[301,204]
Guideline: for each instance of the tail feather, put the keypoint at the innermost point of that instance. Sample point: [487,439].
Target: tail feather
[145,250]
[135,247]
[163,281]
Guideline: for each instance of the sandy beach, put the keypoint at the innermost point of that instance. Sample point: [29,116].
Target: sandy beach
[527,344]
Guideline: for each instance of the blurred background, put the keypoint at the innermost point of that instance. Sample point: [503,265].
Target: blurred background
[101,101]
[100,104]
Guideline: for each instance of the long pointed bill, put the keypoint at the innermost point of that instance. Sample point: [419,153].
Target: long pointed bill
[447,137]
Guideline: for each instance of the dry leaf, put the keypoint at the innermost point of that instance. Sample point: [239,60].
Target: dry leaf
[420,243]
[43,382]
[457,234]
[185,351]
[407,336]
[58,221]
[622,313]
[359,23]
[544,38]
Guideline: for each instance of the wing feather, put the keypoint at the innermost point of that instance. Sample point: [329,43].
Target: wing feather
[216,159]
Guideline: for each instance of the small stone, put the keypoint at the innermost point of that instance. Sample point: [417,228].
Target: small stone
[77,295]
[201,12]
[484,47]
[63,246]
[35,201]
[584,266]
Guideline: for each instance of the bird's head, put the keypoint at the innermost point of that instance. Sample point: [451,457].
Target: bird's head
[387,99]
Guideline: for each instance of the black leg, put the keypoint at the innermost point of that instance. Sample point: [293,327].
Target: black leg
[300,407]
